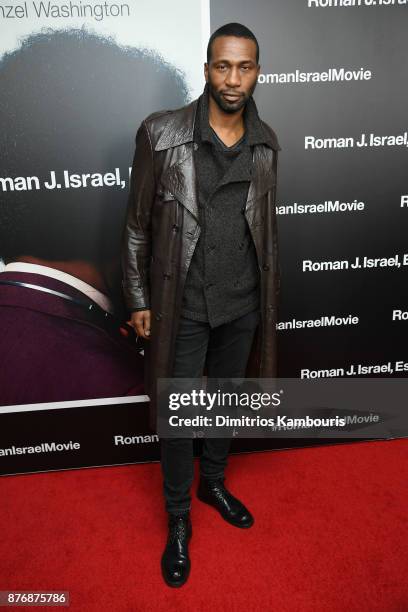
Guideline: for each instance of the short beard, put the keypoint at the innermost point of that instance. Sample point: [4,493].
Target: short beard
[229,108]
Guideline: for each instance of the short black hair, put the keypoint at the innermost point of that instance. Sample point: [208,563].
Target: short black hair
[232,29]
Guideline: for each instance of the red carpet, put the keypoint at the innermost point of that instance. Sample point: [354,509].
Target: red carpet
[330,535]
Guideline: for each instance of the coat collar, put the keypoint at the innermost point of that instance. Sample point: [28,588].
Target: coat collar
[254,130]
[180,127]
[180,177]
[240,168]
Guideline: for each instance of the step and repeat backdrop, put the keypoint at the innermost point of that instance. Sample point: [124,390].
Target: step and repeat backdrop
[76,80]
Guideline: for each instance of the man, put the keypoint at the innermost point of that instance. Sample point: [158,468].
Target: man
[200,262]
[63,335]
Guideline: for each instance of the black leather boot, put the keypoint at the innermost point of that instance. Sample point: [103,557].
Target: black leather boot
[214,493]
[175,562]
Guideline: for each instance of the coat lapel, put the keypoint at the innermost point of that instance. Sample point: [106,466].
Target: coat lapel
[180,179]
[263,179]
[180,176]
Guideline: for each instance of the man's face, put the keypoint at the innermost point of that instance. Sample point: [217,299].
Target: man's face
[232,72]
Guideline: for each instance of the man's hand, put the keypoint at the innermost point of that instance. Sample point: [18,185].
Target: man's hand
[140,322]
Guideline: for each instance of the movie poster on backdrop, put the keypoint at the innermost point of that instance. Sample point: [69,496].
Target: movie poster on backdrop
[76,80]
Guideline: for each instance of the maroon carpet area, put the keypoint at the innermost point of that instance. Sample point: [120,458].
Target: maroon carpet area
[330,535]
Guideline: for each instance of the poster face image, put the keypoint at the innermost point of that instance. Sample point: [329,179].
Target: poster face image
[76,80]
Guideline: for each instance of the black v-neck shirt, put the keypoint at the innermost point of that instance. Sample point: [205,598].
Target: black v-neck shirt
[234,147]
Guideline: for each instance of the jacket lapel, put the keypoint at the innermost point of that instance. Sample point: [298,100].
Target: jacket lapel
[180,176]
[263,178]
[180,179]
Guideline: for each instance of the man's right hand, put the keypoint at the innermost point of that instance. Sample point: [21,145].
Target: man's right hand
[140,321]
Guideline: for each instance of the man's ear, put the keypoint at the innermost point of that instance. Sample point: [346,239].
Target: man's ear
[206,72]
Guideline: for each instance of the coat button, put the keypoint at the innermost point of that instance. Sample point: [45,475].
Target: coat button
[265,267]
[159,316]
[175,228]
[166,275]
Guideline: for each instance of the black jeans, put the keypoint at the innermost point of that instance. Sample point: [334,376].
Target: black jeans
[227,349]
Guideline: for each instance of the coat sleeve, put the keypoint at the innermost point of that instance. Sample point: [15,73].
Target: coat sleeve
[136,241]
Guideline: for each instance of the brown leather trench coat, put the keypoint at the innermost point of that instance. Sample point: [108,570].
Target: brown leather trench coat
[162,229]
